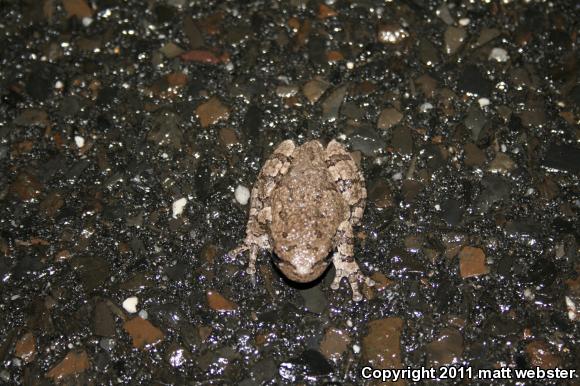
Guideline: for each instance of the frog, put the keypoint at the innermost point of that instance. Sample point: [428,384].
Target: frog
[304,206]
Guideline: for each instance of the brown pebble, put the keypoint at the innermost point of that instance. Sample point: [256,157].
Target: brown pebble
[446,349]
[472,262]
[381,346]
[75,363]
[539,354]
[334,56]
[204,332]
[389,117]
[26,348]
[324,12]
[201,56]
[381,281]
[314,89]
[176,79]
[142,332]
[380,194]
[334,344]
[474,156]
[26,186]
[228,137]
[502,163]
[211,112]
[78,8]
[218,303]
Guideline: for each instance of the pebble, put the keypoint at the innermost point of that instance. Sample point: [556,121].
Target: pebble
[211,112]
[499,55]
[464,21]
[381,346]
[314,89]
[334,344]
[79,141]
[388,118]
[178,206]
[74,363]
[332,103]
[142,332]
[446,349]
[218,302]
[25,348]
[502,163]
[472,262]
[242,194]
[130,304]
[483,102]
[454,39]
[392,33]
[539,354]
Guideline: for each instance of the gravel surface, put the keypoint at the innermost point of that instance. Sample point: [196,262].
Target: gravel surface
[130,138]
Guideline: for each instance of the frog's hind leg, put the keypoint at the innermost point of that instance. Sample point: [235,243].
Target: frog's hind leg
[351,185]
[257,237]
[348,178]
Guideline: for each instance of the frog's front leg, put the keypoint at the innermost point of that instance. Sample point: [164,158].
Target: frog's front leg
[345,264]
[257,229]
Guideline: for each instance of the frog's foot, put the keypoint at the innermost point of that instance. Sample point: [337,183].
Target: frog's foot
[346,267]
[251,270]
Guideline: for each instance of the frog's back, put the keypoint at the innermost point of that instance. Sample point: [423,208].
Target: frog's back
[307,207]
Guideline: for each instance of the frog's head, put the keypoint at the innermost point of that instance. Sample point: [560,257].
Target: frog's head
[302,264]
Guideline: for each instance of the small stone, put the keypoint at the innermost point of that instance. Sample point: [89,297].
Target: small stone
[382,343]
[380,194]
[539,354]
[483,102]
[475,121]
[454,39]
[178,206]
[392,33]
[74,363]
[33,117]
[444,14]
[286,91]
[502,163]
[171,50]
[324,12]
[486,35]
[314,89]
[334,344]
[26,348]
[472,262]
[473,155]
[499,55]
[78,8]
[242,194]
[388,118]
[130,304]
[464,21]
[211,112]
[332,103]
[79,141]
[218,303]
[228,137]
[142,332]
[202,56]
[26,186]
[446,349]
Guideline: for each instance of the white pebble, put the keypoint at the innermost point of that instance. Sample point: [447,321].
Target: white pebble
[58,85]
[87,21]
[483,102]
[571,308]
[356,348]
[464,21]
[143,314]
[397,176]
[349,323]
[528,294]
[178,207]
[15,297]
[499,55]
[503,148]
[437,207]
[425,107]
[242,194]
[80,141]
[350,65]
[130,304]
